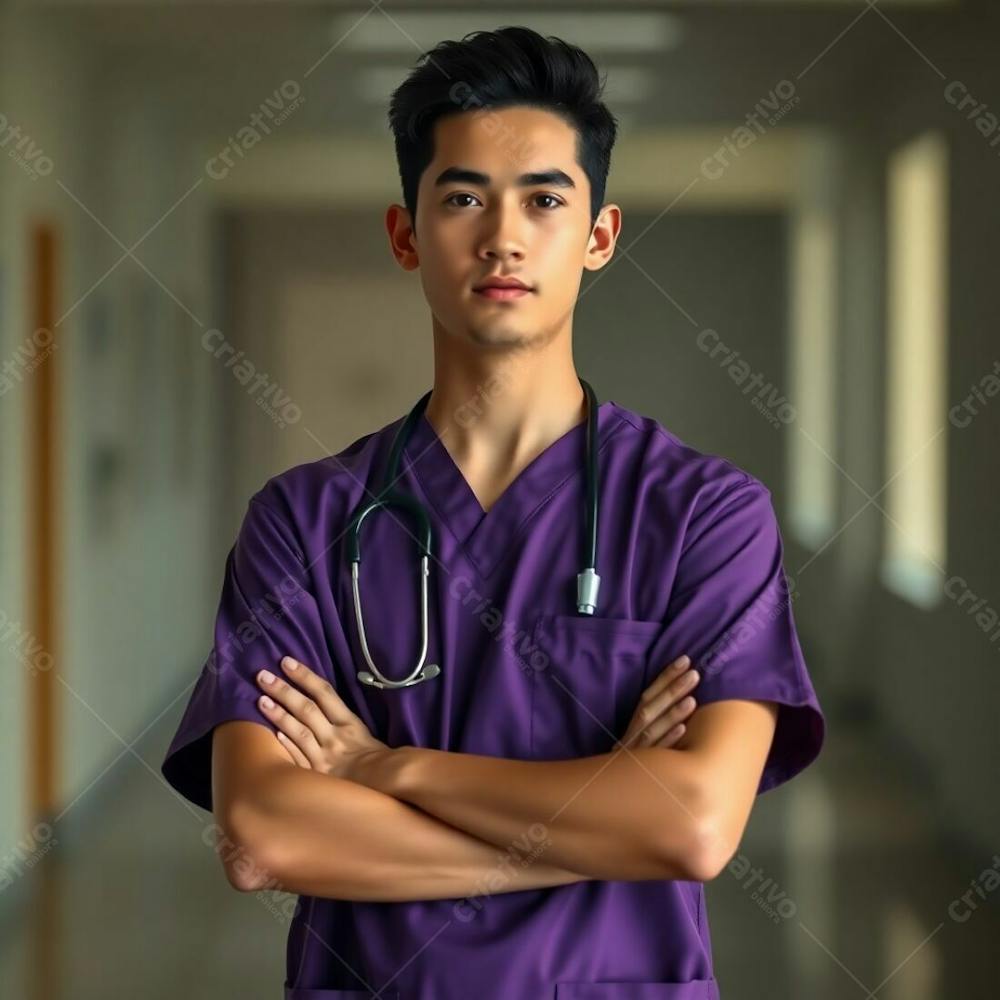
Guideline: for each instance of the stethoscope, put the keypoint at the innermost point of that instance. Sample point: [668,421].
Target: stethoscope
[587,581]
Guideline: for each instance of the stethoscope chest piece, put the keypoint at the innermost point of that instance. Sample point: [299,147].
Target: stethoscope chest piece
[431,670]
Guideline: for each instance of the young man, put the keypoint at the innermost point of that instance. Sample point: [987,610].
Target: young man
[532,819]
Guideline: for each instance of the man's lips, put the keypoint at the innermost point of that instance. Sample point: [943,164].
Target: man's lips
[502,288]
[500,292]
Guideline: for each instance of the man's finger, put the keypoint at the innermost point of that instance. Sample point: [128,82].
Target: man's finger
[298,733]
[670,673]
[319,689]
[664,723]
[669,739]
[298,757]
[281,691]
[685,684]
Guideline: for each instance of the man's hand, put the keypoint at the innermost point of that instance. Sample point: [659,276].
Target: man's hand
[316,728]
[658,719]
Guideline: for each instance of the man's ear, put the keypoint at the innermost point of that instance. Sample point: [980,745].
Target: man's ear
[402,236]
[603,237]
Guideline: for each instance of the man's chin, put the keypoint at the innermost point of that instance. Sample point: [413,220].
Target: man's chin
[502,338]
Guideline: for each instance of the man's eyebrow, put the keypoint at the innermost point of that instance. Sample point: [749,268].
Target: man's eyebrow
[552,177]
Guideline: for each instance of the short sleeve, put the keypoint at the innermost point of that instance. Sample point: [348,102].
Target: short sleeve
[730,610]
[266,611]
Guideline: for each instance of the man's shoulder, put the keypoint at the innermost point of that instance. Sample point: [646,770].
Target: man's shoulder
[326,483]
[674,466]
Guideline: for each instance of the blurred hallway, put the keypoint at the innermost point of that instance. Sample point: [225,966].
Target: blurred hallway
[810,207]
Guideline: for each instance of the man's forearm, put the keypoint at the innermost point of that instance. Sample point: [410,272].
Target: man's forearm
[323,836]
[621,815]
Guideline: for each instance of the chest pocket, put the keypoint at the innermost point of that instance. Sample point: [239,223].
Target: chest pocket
[586,682]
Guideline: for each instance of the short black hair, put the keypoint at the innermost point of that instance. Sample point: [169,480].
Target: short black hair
[495,69]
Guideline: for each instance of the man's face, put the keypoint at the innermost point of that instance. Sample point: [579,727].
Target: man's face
[501,224]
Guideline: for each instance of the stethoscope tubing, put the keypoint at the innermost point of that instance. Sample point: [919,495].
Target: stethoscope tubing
[588,582]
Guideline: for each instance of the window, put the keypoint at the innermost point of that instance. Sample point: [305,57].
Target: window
[813,446]
[913,562]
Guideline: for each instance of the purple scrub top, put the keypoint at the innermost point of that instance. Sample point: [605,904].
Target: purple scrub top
[690,559]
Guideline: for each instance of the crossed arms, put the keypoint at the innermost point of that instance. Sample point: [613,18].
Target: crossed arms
[335,813]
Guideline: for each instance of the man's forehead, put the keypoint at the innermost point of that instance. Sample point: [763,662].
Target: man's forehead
[492,143]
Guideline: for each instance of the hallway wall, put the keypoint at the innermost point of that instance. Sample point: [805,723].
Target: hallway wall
[138,558]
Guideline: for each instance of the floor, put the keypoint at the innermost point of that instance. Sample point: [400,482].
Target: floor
[840,890]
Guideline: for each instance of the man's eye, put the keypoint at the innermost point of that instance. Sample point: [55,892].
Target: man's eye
[450,200]
[554,199]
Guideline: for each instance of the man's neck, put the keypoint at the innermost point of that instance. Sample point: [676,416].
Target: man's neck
[494,420]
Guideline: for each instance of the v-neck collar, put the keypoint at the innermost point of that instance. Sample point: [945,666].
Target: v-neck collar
[487,537]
